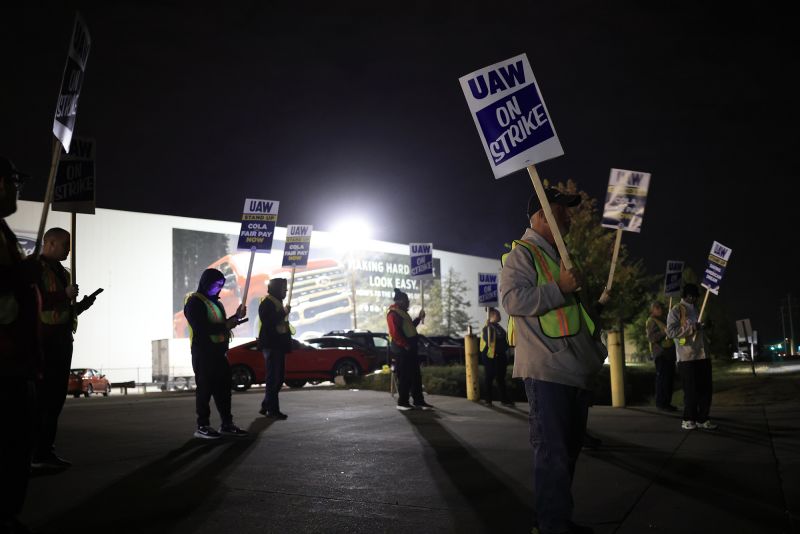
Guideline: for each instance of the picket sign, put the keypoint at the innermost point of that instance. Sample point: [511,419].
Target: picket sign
[247,281]
[291,285]
[548,215]
[614,255]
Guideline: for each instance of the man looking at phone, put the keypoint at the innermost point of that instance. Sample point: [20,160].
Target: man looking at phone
[58,317]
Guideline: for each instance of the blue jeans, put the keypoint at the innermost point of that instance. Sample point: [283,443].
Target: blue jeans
[557,422]
[275,361]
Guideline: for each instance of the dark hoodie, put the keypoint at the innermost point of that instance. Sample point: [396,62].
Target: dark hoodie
[197,315]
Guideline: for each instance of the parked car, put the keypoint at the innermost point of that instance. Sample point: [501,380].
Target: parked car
[440,353]
[448,340]
[377,348]
[87,381]
[304,364]
[377,343]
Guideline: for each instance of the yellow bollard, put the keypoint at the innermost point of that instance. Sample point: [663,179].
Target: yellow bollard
[616,362]
[471,360]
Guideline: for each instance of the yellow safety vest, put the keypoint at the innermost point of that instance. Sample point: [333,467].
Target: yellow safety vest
[666,342]
[559,322]
[492,343]
[51,283]
[282,327]
[682,311]
[409,330]
[215,316]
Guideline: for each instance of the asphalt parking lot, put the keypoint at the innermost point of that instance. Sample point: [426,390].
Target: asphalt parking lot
[348,461]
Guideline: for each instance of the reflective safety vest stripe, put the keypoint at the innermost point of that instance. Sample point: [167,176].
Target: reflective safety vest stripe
[666,342]
[682,311]
[560,322]
[215,316]
[62,314]
[491,346]
[282,327]
[409,330]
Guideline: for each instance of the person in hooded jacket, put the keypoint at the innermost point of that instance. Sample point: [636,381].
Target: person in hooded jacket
[210,333]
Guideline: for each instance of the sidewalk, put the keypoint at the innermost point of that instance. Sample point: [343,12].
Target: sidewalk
[347,461]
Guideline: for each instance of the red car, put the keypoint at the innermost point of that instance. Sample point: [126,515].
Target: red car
[304,364]
[87,381]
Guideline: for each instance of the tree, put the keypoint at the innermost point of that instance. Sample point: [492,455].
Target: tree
[192,252]
[591,246]
[445,312]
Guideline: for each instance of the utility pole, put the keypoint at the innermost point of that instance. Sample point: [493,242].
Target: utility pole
[791,324]
[783,328]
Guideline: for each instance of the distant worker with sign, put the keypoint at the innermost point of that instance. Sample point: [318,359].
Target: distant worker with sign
[19,347]
[403,347]
[684,326]
[662,350]
[58,318]
[555,354]
[494,349]
[210,333]
[275,341]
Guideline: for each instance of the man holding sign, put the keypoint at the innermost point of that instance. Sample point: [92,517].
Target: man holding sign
[685,328]
[555,355]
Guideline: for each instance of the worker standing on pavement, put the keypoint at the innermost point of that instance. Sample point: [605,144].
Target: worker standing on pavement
[403,347]
[662,351]
[210,333]
[58,316]
[275,341]
[494,348]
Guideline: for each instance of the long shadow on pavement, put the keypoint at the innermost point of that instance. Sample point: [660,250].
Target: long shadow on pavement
[487,494]
[705,481]
[176,488]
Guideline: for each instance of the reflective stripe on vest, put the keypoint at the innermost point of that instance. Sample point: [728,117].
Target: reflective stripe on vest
[560,322]
[666,342]
[215,316]
[63,313]
[409,330]
[491,344]
[682,311]
[284,326]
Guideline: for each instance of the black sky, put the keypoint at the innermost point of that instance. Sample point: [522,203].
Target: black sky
[355,110]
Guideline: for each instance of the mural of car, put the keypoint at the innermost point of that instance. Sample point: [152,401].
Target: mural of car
[305,363]
[320,296]
[87,381]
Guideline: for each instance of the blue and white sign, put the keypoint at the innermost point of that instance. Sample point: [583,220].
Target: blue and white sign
[487,290]
[717,262]
[421,255]
[258,225]
[74,186]
[673,278]
[625,200]
[298,245]
[510,114]
[71,83]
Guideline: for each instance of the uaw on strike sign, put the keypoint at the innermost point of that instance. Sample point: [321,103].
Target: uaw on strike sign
[487,290]
[421,255]
[509,112]
[71,83]
[258,225]
[298,245]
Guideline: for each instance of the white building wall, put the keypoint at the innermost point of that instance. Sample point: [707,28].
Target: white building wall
[130,255]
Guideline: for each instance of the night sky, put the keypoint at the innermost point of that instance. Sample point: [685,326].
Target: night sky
[351,110]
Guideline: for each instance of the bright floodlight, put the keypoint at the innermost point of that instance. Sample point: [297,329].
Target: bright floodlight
[351,233]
